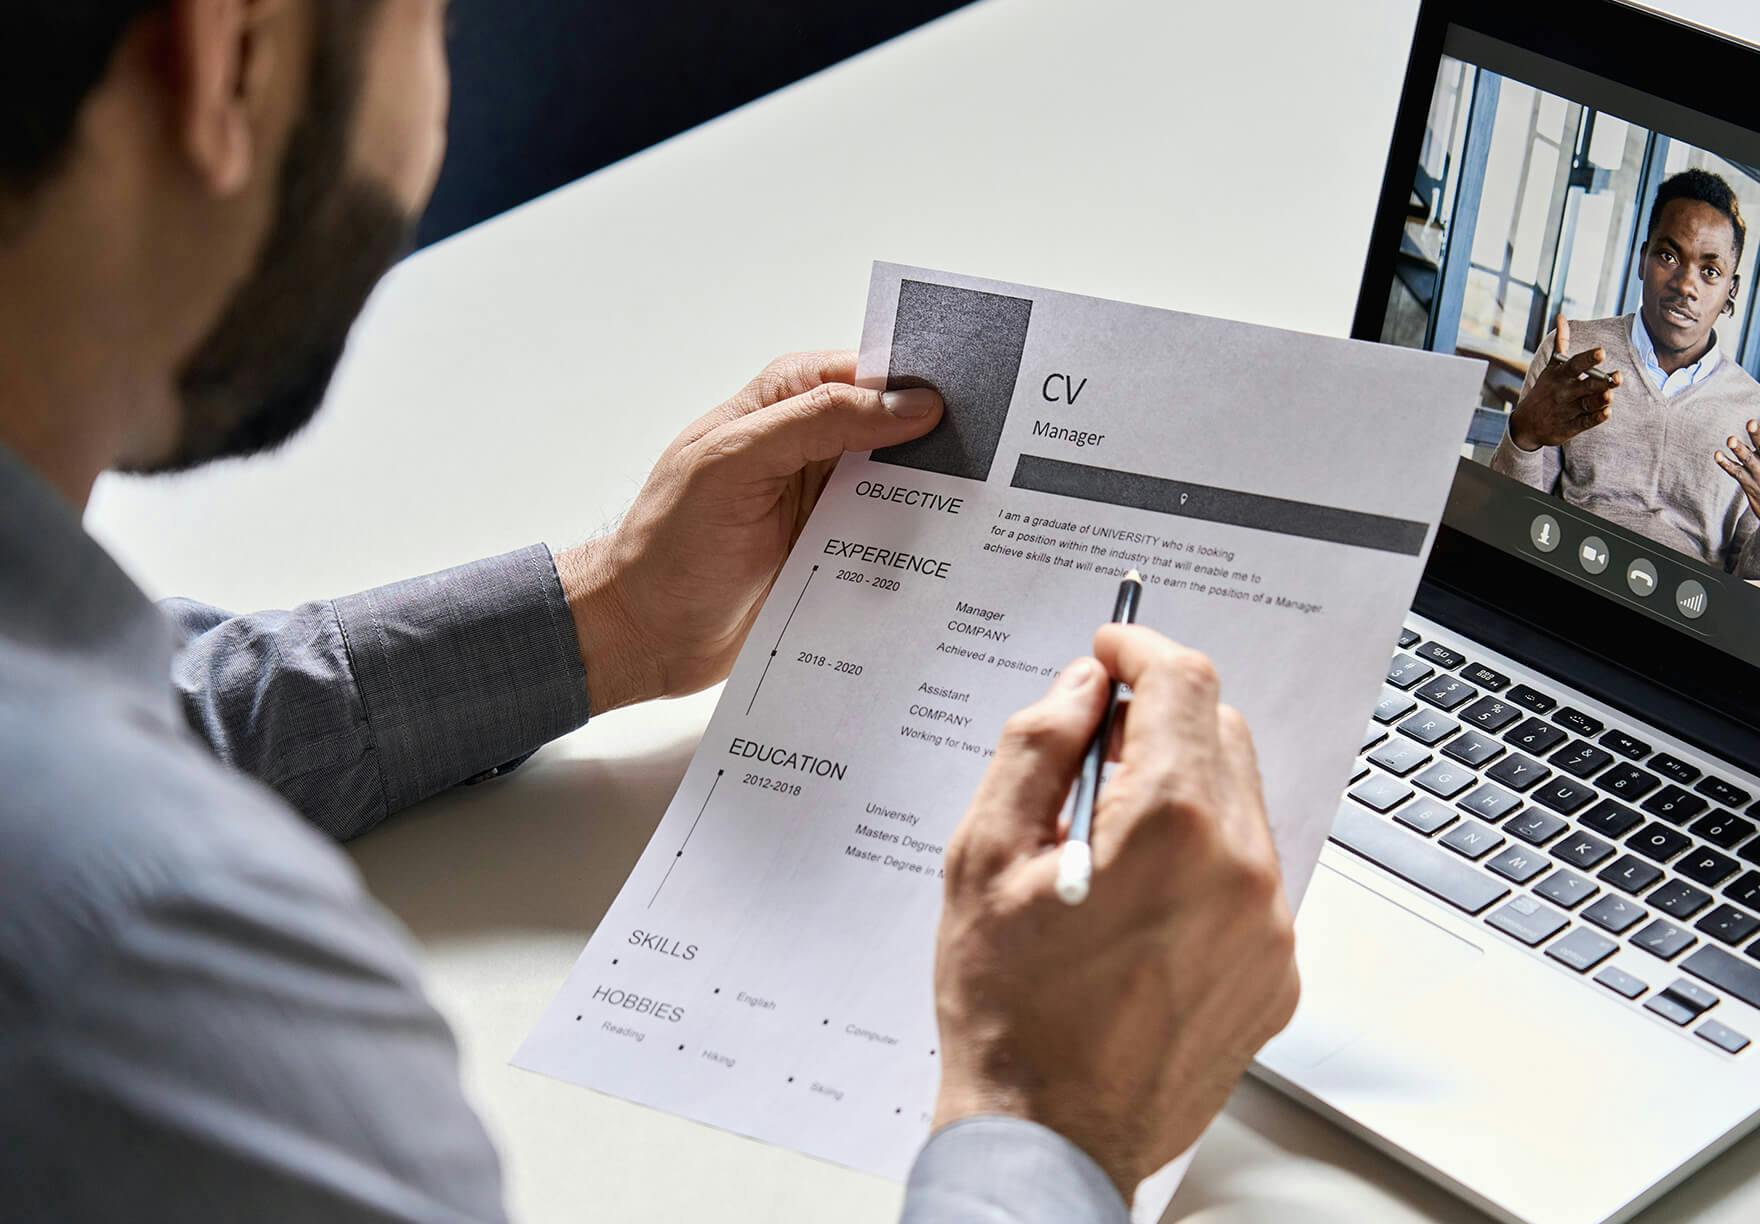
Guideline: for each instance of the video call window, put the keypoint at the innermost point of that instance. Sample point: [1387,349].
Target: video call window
[1526,204]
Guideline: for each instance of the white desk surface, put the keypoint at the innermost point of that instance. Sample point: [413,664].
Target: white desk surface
[515,383]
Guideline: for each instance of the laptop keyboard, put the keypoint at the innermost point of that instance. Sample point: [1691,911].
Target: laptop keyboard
[1566,835]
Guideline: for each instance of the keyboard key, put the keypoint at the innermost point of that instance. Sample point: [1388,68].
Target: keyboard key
[1669,1009]
[1582,850]
[1491,713]
[1582,949]
[1621,982]
[1625,745]
[1706,866]
[1692,995]
[1751,850]
[1518,863]
[1491,803]
[1372,735]
[1535,827]
[1446,779]
[1722,792]
[1399,756]
[1406,671]
[1615,914]
[1721,829]
[1426,816]
[1566,888]
[1745,889]
[1564,796]
[1447,692]
[1675,768]
[1394,705]
[1578,721]
[1472,839]
[1581,760]
[1428,728]
[1442,656]
[1408,638]
[1727,924]
[1674,805]
[1657,842]
[1518,772]
[1532,699]
[1628,782]
[1528,920]
[1722,1036]
[1612,819]
[1630,875]
[1664,939]
[1360,770]
[1536,736]
[1417,862]
[1724,971]
[1484,677]
[1679,899]
[1381,792]
[1472,748]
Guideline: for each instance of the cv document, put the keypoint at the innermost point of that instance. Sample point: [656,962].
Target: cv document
[766,967]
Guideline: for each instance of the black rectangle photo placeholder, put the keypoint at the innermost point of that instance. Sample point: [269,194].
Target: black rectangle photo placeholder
[968,345]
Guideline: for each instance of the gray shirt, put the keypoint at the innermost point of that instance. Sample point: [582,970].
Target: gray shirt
[203,1015]
[1650,468]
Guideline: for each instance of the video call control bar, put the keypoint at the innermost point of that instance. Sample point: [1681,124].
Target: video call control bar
[1212,505]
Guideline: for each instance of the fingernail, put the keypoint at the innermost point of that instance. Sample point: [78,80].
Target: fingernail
[1076,676]
[911,405]
[1753,425]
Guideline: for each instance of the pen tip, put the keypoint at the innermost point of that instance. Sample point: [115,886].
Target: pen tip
[1133,576]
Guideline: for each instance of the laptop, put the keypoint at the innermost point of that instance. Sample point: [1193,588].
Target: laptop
[1531,953]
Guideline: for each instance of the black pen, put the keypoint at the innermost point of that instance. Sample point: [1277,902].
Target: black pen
[1075,865]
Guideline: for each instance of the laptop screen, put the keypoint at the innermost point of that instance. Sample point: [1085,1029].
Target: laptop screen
[1612,449]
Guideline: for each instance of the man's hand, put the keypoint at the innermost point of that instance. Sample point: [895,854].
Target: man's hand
[664,602]
[1744,467]
[1123,1023]
[1564,401]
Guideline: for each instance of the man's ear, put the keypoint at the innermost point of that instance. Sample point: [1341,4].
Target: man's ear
[223,54]
[1735,287]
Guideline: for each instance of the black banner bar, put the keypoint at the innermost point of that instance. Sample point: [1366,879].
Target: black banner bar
[1212,505]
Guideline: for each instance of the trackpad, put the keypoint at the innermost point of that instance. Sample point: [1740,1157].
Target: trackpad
[1362,957]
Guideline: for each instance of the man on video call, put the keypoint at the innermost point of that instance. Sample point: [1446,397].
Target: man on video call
[1645,420]
[203,1015]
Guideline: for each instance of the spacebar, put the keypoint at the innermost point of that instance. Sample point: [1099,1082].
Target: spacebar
[1415,862]
[1726,973]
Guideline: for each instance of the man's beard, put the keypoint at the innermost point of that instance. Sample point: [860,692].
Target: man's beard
[262,372]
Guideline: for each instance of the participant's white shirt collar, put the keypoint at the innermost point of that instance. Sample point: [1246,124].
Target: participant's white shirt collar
[1671,385]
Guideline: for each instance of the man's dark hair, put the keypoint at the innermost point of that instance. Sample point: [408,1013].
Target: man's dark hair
[1706,188]
[60,50]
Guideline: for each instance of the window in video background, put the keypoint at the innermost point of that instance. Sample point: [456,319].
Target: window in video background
[1564,200]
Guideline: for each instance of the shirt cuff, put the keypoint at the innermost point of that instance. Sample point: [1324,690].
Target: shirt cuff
[1000,1170]
[466,671]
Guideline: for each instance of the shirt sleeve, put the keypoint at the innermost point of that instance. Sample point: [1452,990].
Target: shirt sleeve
[999,1170]
[1538,468]
[359,707]
[1744,548]
[214,1033]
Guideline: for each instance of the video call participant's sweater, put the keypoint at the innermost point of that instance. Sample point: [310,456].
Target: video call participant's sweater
[1650,469]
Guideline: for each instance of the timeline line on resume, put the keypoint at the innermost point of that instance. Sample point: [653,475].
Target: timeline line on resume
[774,649]
[687,837]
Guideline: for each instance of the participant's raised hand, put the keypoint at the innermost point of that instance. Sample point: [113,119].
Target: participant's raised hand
[1566,399]
[664,602]
[1742,464]
[1125,1022]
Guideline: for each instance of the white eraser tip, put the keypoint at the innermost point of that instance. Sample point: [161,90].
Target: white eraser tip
[1075,871]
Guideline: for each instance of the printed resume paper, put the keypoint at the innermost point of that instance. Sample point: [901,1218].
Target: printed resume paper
[766,968]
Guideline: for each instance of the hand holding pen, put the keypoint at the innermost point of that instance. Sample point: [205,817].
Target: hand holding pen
[1123,1022]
